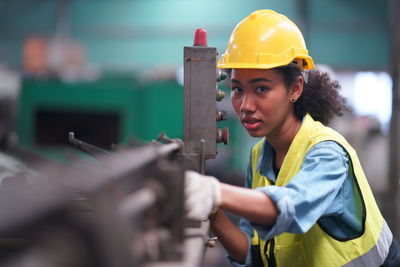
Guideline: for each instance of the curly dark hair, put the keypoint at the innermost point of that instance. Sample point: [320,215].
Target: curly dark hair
[320,97]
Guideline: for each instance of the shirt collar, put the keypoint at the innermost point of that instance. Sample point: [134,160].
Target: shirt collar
[265,161]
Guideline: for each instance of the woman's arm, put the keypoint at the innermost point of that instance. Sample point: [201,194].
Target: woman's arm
[203,193]
[231,237]
[251,204]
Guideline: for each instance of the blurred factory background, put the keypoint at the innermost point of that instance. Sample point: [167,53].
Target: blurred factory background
[111,71]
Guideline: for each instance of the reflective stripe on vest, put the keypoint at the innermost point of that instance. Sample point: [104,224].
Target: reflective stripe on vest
[377,255]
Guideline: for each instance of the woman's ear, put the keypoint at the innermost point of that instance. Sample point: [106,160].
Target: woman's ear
[296,89]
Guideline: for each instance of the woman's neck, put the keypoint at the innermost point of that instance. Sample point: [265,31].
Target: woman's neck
[281,139]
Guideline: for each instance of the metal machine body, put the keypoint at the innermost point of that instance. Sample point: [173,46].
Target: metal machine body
[200,103]
[124,208]
[200,110]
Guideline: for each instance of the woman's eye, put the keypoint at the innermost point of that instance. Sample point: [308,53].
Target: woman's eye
[261,89]
[236,89]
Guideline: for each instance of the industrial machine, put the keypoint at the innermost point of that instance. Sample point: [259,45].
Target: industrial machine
[125,207]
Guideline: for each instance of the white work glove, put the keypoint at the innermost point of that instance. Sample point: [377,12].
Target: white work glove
[202,194]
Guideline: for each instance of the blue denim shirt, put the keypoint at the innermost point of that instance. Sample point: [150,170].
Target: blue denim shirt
[324,190]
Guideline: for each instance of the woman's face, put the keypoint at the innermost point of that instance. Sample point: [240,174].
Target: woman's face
[260,100]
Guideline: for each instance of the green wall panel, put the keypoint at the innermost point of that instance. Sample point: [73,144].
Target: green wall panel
[114,95]
[161,110]
[349,34]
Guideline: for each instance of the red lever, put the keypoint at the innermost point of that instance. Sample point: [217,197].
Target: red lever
[200,37]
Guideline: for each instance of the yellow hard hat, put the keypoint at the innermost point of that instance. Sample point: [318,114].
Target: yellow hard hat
[264,40]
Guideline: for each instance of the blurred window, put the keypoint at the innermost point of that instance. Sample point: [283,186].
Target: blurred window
[372,96]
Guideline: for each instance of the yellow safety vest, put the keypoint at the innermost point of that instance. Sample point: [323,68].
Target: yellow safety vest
[316,247]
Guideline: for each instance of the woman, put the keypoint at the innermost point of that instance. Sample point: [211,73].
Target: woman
[307,201]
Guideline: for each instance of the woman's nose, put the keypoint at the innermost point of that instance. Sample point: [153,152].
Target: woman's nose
[247,105]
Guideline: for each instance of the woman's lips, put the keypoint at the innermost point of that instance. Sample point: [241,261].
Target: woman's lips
[251,123]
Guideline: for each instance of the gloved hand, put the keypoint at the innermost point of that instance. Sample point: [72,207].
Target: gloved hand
[202,194]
